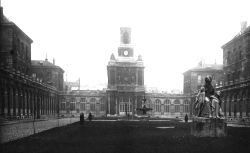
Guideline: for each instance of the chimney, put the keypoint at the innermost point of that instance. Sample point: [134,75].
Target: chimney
[46,58]
[1,13]
[243,26]
[53,61]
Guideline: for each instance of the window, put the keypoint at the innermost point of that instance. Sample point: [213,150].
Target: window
[102,104]
[240,52]
[82,104]
[122,107]
[49,74]
[186,106]
[157,105]
[33,75]
[125,38]
[228,58]
[92,104]
[166,105]
[213,77]
[62,106]
[72,106]
[199,79]
[177,106]
[73,100]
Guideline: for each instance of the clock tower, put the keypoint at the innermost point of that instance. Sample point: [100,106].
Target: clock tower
[125,49]
[125,78]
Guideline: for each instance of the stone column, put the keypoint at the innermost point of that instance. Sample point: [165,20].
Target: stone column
[135,105]
[5,103]
[24,103]
[20,100]
[136,76]
[234,107]
[247,105]
[116,110]
[109,104]
[14,102]
[142,77]
[1,100]
[28,103]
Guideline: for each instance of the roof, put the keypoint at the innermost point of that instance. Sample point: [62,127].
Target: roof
[240,34]
[7,22]
[206,67]
[44,63]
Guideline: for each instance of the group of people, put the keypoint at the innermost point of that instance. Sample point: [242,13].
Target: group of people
[82,118]
[208,102]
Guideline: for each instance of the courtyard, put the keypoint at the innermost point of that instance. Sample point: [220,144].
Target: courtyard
[99,135]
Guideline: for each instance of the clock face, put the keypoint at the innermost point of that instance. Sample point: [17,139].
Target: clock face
[125,53]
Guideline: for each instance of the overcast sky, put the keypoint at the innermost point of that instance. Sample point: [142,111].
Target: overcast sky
[171,36]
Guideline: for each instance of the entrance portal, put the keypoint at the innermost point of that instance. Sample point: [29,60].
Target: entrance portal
[125,108]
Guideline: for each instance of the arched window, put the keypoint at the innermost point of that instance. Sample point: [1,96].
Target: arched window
[72,104]
[126,38]
[92,104]
[186,106]
[166,105]
[102,104]
[82,104]
[177,106]
[157,105]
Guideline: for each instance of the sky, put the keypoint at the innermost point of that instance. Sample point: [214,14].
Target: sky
[172,36]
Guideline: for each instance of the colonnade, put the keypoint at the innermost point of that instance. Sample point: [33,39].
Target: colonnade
[22,97]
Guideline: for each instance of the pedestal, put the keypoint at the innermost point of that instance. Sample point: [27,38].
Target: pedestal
[206,127]
[144,118]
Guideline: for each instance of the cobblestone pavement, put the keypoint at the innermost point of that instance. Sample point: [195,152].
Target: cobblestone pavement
[11,132]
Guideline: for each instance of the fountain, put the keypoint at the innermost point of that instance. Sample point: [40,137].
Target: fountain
[144,109]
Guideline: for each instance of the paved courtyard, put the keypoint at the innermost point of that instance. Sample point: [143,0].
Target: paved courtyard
[13,130]
[118,136]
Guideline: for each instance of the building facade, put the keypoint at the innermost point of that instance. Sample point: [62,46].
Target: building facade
[15,46]
[195,77]
[125,90]
[235,88]
[21,95]
[125,78]
[48,73]
[236,75]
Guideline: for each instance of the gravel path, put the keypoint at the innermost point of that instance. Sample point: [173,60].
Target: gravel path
[17,131]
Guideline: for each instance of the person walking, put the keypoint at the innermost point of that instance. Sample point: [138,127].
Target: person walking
[90,117]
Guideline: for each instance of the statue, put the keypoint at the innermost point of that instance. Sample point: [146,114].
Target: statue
[206,101]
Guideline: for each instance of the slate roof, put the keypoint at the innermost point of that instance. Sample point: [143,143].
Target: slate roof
[44,63]
[6,20]
[206,67]
[238,36]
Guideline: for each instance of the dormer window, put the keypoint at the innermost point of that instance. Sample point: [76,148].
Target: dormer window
[40,62]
